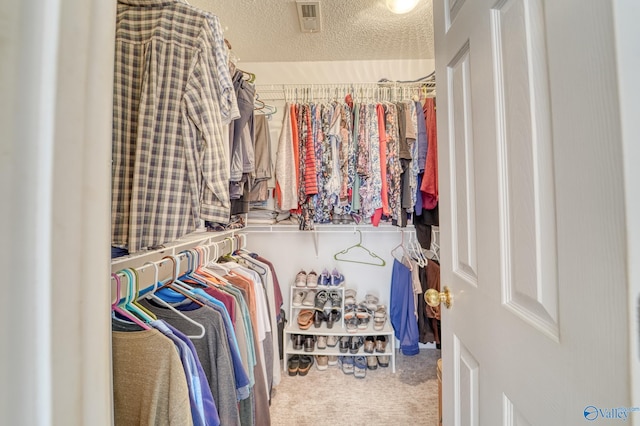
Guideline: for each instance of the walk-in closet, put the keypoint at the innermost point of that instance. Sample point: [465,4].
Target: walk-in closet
[274,206]
[289,212]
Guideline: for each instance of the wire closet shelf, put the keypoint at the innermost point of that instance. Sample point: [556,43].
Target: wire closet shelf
[390,91]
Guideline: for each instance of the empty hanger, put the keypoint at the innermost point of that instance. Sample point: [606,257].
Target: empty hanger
[341,255]
[405,253]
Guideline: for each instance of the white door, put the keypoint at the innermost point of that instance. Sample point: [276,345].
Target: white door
[532,214]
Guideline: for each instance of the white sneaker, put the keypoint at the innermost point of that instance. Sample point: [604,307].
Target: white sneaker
[309,298]
[298,297]
[312,279]
[301,279]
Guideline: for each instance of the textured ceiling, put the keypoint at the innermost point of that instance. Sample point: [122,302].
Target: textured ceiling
[269,31]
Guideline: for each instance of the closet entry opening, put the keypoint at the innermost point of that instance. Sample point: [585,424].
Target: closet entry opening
[275,208]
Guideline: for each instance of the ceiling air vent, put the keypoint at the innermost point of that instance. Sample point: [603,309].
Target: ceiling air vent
[309,16]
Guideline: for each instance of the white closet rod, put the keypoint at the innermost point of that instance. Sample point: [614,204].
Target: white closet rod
[146,268]
[390,91]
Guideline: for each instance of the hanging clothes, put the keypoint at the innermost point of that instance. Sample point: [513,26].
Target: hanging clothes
[213,351]
[402,309]
[149,381]
[354,161]
[429,186]
[172,96]
[286,174]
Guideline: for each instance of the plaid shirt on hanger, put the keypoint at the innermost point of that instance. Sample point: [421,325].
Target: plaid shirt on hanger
[172,96]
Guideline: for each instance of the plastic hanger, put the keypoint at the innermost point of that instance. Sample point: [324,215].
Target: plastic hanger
[176,285]
[416,251]
[116,308]
[204,269]
[193,257]
[153,296]
[132,294]
[340,256]
[405,253]
[253,263]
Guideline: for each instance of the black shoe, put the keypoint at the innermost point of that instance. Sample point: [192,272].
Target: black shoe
[318,317]
[306,362]
[344,344]
[309,343]
[298,341]
[293,364]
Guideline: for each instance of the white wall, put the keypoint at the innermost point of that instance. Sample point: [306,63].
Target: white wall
[290,251]
[337,72]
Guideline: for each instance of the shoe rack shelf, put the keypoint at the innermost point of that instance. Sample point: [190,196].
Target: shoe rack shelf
[339,330]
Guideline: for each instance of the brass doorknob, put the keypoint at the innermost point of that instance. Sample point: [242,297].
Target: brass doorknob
[434,297]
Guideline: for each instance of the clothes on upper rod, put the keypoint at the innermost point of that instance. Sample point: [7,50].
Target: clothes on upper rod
[176,111]
[367,160]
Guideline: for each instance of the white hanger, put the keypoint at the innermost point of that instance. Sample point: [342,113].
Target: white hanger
[404,252]
[153,296]
[416,250]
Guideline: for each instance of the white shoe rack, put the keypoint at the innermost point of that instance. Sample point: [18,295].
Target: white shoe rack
[339,330]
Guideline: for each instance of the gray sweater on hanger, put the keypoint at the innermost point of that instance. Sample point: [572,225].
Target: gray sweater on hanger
[213,352]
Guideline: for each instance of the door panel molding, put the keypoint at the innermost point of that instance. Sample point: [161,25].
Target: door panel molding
[525,164]
[452,8]
[461,158]
[466,373]
[511,415]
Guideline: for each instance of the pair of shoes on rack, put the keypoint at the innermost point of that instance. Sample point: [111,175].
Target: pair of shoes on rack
[299,364]
[331,317]
[305,318]
[323,296]
[377,344]
[303,279]
[327,279]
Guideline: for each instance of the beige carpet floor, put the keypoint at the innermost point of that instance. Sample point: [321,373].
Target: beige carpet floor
[408,397]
